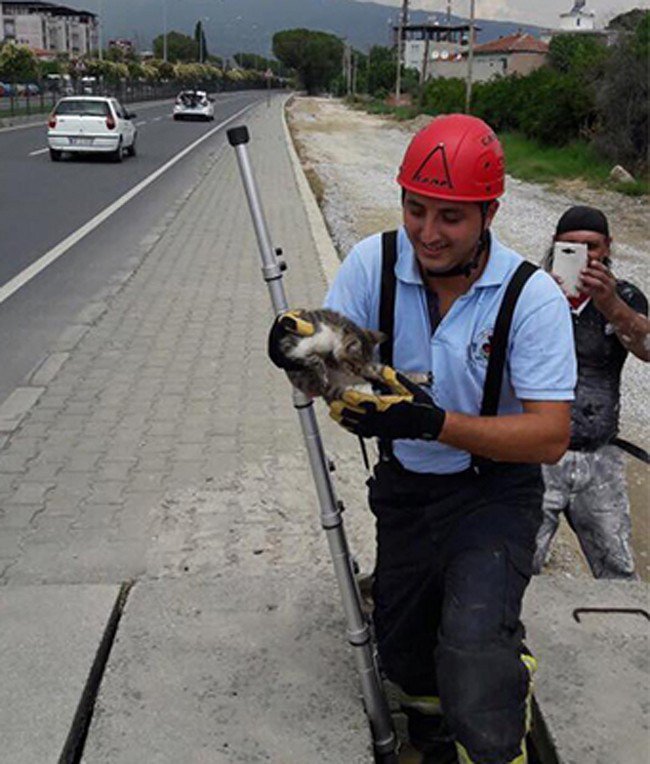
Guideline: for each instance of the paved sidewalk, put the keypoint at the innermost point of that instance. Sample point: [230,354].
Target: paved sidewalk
[163,448]
[157,445]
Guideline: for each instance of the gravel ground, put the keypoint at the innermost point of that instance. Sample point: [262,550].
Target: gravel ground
[350,159]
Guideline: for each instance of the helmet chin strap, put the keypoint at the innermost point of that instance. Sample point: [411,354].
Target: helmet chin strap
[467,268]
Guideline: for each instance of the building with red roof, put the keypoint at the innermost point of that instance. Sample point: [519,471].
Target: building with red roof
[515,54]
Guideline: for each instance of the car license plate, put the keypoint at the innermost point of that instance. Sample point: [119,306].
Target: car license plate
[81,141]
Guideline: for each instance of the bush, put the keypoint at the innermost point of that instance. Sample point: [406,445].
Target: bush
[500,102]
[443,96]
[557,108]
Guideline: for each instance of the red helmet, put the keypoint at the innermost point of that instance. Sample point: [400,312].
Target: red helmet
[455,157]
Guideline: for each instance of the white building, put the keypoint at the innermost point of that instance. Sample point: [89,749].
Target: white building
[578,19]
[438,47]
[48,28]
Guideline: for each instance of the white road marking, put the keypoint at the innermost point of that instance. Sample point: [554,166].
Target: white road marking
[48,258]
[143,122]
[157,119]
[35,153]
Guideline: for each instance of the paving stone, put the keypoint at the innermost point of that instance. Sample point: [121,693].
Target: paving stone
[17,406]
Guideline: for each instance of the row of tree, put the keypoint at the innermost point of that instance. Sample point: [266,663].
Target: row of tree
[19,64]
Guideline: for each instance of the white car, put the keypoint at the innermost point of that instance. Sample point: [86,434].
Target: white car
[91,124]
[193,104]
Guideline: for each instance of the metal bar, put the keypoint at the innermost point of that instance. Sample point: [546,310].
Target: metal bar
[358,632]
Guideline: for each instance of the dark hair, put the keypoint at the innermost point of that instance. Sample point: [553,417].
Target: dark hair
[581,218]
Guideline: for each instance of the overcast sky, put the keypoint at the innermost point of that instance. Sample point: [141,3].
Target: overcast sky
[543,13]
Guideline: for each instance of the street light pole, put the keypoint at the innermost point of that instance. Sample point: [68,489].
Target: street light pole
[400,32]
[164,2]
[101,28]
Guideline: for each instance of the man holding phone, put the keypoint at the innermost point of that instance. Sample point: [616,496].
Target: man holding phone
[609,320]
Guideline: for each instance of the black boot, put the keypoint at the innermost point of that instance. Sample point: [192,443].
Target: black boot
[430,735]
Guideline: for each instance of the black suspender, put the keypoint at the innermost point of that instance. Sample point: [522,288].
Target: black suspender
[387,314]
[387,301]
[499,349]
[499,342]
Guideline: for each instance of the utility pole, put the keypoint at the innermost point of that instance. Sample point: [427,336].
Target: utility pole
[354,74]
[403,19]
[425,63]
[470,59]
[347,67]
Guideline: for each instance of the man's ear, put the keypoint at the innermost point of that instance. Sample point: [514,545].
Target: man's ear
[491,212]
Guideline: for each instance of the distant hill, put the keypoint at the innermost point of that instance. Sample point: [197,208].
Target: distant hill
[249,25]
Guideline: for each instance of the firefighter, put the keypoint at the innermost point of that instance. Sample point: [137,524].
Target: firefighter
[457,490]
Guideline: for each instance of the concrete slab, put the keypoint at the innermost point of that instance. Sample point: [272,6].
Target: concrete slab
[48,641]
[593,685]
[252,669]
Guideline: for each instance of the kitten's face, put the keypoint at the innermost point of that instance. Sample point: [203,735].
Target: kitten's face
[358,348]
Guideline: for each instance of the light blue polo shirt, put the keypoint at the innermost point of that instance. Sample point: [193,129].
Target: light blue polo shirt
[540,363]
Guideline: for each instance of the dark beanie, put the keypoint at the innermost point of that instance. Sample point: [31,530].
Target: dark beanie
[583,219]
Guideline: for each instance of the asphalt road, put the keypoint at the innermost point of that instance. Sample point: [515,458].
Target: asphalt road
[42,203]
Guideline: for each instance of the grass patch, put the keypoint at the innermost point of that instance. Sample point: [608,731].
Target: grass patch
[529,160]
[379,107]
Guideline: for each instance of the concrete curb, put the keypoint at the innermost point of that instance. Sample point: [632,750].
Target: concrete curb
[329,259]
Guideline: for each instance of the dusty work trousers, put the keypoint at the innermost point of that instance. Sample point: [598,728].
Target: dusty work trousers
[454,556]
[589,488]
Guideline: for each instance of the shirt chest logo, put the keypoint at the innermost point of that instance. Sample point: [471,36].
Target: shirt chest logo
[481,346]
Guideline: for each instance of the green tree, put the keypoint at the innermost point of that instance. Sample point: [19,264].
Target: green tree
[443,96]
[500,102]
[628,21]
[254,61]
[17,63]
[109,71]
[164,69]
[199,40]
[115,54]
[315,56]
[580,54]
[215,60]
[50,67]
[556,107]
[382,64]
[180,47]
[623,100]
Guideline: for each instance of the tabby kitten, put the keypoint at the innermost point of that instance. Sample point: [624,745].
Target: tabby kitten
[339,355]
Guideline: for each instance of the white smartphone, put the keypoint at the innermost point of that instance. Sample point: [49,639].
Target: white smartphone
[568,260]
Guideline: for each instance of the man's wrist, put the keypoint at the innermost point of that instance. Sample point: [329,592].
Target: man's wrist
[612,308]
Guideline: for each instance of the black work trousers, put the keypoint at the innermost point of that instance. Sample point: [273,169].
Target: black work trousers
[454,557]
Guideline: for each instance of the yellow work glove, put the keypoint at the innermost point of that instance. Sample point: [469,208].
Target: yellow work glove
[288,323]
[404,412]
